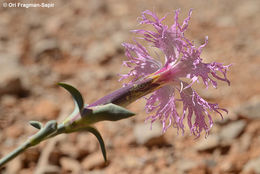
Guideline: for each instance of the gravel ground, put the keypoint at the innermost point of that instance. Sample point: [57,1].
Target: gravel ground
[79,42]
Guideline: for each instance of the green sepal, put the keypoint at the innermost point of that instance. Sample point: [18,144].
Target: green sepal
[108,112]
[76,95]
[95,132]
[36,124]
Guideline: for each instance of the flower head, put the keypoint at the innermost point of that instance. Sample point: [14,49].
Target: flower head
[182,61]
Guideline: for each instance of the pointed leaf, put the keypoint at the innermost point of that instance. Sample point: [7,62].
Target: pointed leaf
[109,112]
[36,124]
[78,99]
[100,139]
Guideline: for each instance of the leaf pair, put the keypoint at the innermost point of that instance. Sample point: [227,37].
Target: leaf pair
[89,116]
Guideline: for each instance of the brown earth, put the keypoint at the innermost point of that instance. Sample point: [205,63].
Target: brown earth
[79,42]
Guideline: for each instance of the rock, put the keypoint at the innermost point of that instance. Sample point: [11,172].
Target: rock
[30,156]
[100,52]
[54,156]
[118,9]
[14,131]
[69,149]
[15,166]
[227,166]
[148,169]
[234,162]
[45,109]
[232,130]
[210,143]
[185,165]
[26,171]
[93,161]
[132,162]
[8,100]
[245,142]
[48,169]
[250,110]
[247,9]
[225,21]
[252,165]
[144,135]
[211,162]
[83,150]
[97,7]
[46,47]
[199,170]
[11,74]
[53,24]
[211,94]
[1,134]
[70,165]
[118,38]
[95,172]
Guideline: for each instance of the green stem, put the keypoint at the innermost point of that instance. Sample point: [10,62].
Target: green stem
[83,118]
[49,129]
[14,153]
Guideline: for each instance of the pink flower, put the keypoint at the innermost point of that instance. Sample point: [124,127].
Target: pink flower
[182,67]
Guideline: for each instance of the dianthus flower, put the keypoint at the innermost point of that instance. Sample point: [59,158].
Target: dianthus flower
[182,68]
[167,83]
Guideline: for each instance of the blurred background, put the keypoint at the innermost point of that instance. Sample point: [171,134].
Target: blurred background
[79,42]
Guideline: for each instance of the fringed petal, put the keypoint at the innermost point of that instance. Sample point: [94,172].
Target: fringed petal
[182,60]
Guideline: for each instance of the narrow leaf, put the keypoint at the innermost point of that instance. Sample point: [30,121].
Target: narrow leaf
[36,124]
[78,99]
[100,139]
